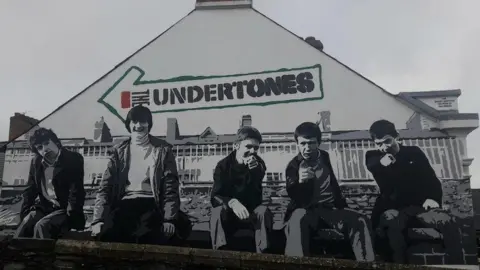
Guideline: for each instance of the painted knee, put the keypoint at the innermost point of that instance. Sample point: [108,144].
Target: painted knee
[217,212]
[445,219]
[390,214]
[363,221]
[262,212]
[390,218]
[40,228]
[297,218]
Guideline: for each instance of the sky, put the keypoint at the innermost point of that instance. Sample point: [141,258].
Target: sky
[52,49]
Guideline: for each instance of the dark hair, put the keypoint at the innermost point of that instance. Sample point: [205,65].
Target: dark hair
[42,135]
[248,132]
[308,130]
[139,114]
[381,128]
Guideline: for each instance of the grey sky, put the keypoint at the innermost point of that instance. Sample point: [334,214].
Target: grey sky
[52,49]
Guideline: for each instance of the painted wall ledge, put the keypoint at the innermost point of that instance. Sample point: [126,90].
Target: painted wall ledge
[64,254]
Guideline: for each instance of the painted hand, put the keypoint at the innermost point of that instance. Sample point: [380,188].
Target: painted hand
[97,229]
[305,175]
[252,162]
[237,207]
[430,204]
[387,160]
[168,229]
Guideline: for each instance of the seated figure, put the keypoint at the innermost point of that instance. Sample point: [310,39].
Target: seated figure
[54,197]
[138,199]
[410,194]
[315,198]
[237,193]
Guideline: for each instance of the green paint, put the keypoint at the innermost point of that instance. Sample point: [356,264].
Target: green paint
[139,81]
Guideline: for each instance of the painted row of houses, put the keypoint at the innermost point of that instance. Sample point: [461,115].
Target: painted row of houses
[197,155]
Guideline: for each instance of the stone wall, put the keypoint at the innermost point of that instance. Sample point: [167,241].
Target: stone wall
[360,197]
[70,254]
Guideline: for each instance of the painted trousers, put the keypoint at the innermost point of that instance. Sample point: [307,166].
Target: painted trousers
[43,226]
[395,223]
[138,221]
[224,223]
[303,224]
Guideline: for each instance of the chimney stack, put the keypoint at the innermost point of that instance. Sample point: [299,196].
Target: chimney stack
[315,43]
[101,132]
[246,121]
[19,124]
[173,133]
[206,4]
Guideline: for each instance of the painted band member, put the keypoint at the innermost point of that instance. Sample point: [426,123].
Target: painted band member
[237,193]
[316,199]
[410,193]
[54,198]
[138,199]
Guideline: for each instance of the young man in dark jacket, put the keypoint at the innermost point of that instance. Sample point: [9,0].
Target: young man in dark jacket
[56,179]
[237,193]
[138,199]
[410,193]
[316,198]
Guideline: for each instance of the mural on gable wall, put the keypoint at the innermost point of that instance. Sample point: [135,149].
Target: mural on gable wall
[375,194]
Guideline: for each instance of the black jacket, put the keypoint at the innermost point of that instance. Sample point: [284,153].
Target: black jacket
[164,176]
[225,187]
[408,182]
[301,193]
[67,183]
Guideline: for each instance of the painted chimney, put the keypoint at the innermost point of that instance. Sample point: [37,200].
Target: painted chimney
[19,124]
[214,4]
[315,43]
[101,132]
[246,121]
[173,133]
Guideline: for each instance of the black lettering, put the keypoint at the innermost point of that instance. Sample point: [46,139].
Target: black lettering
[273,86]
[225,90]
[240,90]
[259,85]
[210,90]
[192,91]
[305,82]
[156,97]
[183,91]
[288,84]
[140,98]
[279,82]
[174,93]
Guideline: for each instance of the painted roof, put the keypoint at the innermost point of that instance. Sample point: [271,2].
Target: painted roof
[412,99]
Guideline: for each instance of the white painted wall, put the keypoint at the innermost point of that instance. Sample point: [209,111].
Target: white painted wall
[437,103]
[221,42]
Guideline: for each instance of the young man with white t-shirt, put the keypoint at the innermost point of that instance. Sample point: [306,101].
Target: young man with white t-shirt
[138,200]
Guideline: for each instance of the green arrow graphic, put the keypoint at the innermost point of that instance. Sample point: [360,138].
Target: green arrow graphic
[138,73]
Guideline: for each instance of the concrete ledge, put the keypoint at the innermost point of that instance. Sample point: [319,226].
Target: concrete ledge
[44,254]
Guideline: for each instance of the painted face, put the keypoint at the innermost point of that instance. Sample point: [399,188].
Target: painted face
[247,148]
[48,149]
[138,127]
[387,144]
[308,147]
